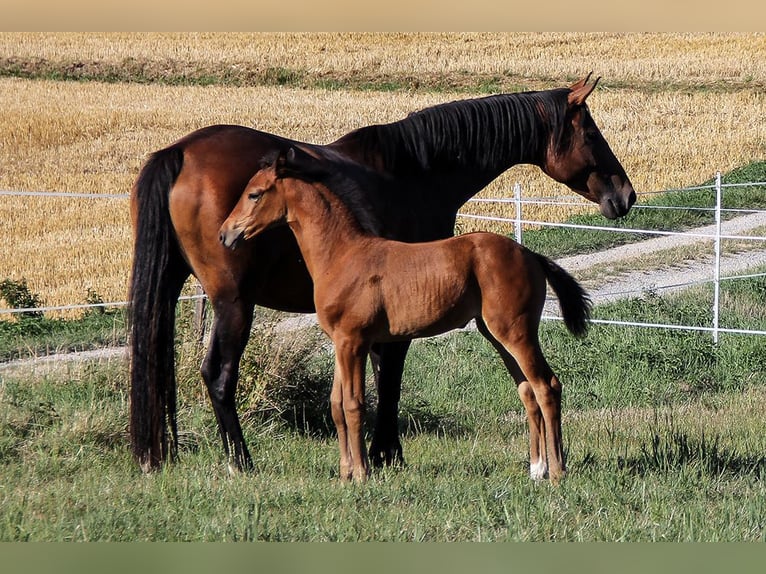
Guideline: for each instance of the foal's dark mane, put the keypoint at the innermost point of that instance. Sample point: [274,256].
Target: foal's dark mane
[488,133]
[344,179]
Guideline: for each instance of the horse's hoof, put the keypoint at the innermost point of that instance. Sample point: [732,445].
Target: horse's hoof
[389,456]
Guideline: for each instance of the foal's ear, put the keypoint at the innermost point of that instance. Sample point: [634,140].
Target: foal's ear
[284,159]
[300,163]
[579,91]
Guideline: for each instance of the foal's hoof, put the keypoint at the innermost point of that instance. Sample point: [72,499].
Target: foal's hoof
[557,477]
[359,477]
[538,471]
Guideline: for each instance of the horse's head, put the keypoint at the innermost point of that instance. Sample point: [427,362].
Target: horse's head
[582,159]
[260,206]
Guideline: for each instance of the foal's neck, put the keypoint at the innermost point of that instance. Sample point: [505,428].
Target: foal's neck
[323,226]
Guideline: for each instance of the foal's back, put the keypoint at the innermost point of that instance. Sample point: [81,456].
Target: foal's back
[389,290]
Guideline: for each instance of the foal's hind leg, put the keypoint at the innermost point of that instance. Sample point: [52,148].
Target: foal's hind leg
[220,370]
[546,389]
[387,366]
[538,464]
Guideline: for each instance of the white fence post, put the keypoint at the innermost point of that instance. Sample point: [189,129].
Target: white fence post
[200,315]
[517,203]
[717,256]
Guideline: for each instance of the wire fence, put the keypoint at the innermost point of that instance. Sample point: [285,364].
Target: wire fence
[715,235]
[519,223]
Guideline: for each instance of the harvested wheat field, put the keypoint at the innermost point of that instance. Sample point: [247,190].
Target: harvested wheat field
[674,107]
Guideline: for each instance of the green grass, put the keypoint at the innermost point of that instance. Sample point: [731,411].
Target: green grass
[658,476]
[664,434]
[173,73]
[34,336]
[189,73]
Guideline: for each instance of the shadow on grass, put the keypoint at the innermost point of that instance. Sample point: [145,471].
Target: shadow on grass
[677,451]
[420,417]
[303,406]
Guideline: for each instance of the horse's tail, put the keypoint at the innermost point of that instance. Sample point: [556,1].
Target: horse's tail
[573,300]
[157,277]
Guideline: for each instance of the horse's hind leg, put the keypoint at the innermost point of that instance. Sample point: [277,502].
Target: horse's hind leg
[538,465]
[387,366]
[220,370]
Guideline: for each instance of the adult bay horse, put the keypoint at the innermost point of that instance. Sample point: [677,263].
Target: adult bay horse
[434,161]
[368,290]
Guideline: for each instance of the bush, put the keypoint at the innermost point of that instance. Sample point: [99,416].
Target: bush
[18,296]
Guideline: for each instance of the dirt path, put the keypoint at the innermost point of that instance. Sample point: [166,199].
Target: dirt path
[671,276]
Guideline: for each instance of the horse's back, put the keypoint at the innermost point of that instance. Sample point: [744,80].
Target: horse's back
[218,162]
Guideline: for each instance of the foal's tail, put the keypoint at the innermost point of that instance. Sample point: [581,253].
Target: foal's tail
[573,300]
[157,277]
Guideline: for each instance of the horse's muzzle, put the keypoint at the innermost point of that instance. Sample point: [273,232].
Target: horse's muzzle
[618,204]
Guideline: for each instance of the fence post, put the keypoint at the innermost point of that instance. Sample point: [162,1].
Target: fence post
[200,315]
[717,256]
[517,203]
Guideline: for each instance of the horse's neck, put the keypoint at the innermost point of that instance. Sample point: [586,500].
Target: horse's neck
[458,166]
[323,226]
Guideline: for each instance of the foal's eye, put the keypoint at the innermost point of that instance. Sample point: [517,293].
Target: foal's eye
[255,196]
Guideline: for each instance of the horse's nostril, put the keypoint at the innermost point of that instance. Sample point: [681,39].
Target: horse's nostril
[631,197]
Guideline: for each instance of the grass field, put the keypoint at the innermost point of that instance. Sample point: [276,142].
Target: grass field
[719,62]
[675,108]
[664,434]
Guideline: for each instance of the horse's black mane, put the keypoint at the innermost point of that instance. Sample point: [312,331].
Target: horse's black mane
[486,133]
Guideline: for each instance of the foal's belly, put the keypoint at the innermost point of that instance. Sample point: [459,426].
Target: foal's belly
[420,323]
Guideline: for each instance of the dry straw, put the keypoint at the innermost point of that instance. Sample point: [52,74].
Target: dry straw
[675,109]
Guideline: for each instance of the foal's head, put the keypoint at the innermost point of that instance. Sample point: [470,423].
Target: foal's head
[261,205]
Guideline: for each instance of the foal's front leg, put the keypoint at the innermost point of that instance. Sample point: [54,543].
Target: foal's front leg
[348,408]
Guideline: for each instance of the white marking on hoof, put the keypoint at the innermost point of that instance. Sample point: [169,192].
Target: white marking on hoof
[538,470]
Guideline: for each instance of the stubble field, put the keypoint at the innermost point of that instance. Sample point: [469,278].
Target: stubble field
[675,109]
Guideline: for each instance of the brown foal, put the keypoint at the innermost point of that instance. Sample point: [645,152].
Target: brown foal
[368,289]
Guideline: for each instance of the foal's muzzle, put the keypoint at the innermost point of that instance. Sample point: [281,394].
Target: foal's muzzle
[231,238]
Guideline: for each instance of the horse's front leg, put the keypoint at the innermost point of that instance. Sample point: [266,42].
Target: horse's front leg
[387,365]
[220,370]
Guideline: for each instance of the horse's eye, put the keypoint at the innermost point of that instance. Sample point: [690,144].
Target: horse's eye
[255,196]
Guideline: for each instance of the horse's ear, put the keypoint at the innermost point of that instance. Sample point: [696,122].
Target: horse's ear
[579,91]
[580,83]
